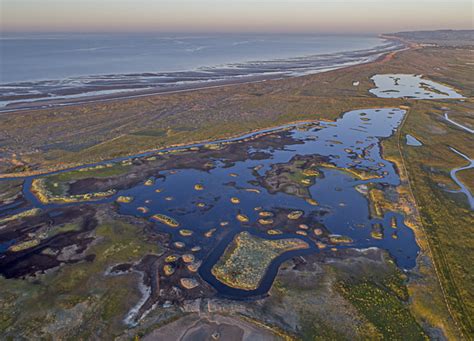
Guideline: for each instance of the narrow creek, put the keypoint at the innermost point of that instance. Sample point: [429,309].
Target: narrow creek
[446,117]
[453,173]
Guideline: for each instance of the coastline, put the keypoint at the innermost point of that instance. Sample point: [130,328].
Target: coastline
[117,94]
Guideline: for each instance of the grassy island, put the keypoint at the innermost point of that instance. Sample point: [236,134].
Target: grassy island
[39,188]
[164,219]
[247,258]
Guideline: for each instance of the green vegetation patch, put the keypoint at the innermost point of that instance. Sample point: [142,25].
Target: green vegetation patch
[164,219]
[28,213]
[57,184]
[39,188]
[247,258]
[390,316]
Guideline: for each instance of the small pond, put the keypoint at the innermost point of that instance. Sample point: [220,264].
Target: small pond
[411,86]
[413,141]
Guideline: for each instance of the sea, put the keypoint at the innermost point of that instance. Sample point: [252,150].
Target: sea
[35,68]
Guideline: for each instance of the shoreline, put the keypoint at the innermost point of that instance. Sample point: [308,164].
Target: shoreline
[119,95]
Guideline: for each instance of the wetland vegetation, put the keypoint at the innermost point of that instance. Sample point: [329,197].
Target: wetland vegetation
[246,259]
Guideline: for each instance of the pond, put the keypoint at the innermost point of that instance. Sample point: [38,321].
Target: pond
[413,141]
[411,86]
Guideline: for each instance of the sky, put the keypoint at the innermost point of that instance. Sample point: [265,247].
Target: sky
[311,16]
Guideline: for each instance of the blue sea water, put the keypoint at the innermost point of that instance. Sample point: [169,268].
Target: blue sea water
[46,67]
[29,57]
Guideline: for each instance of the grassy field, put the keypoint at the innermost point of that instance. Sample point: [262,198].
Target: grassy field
[447,221]
[345,299]
[446,217]
[391,318]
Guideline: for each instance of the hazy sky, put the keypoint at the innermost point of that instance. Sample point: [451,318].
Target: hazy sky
[235,15]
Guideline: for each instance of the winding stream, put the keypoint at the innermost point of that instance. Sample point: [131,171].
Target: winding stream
[446,117]
[454,172]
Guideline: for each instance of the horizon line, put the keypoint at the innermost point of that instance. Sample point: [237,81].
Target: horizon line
[196,32]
